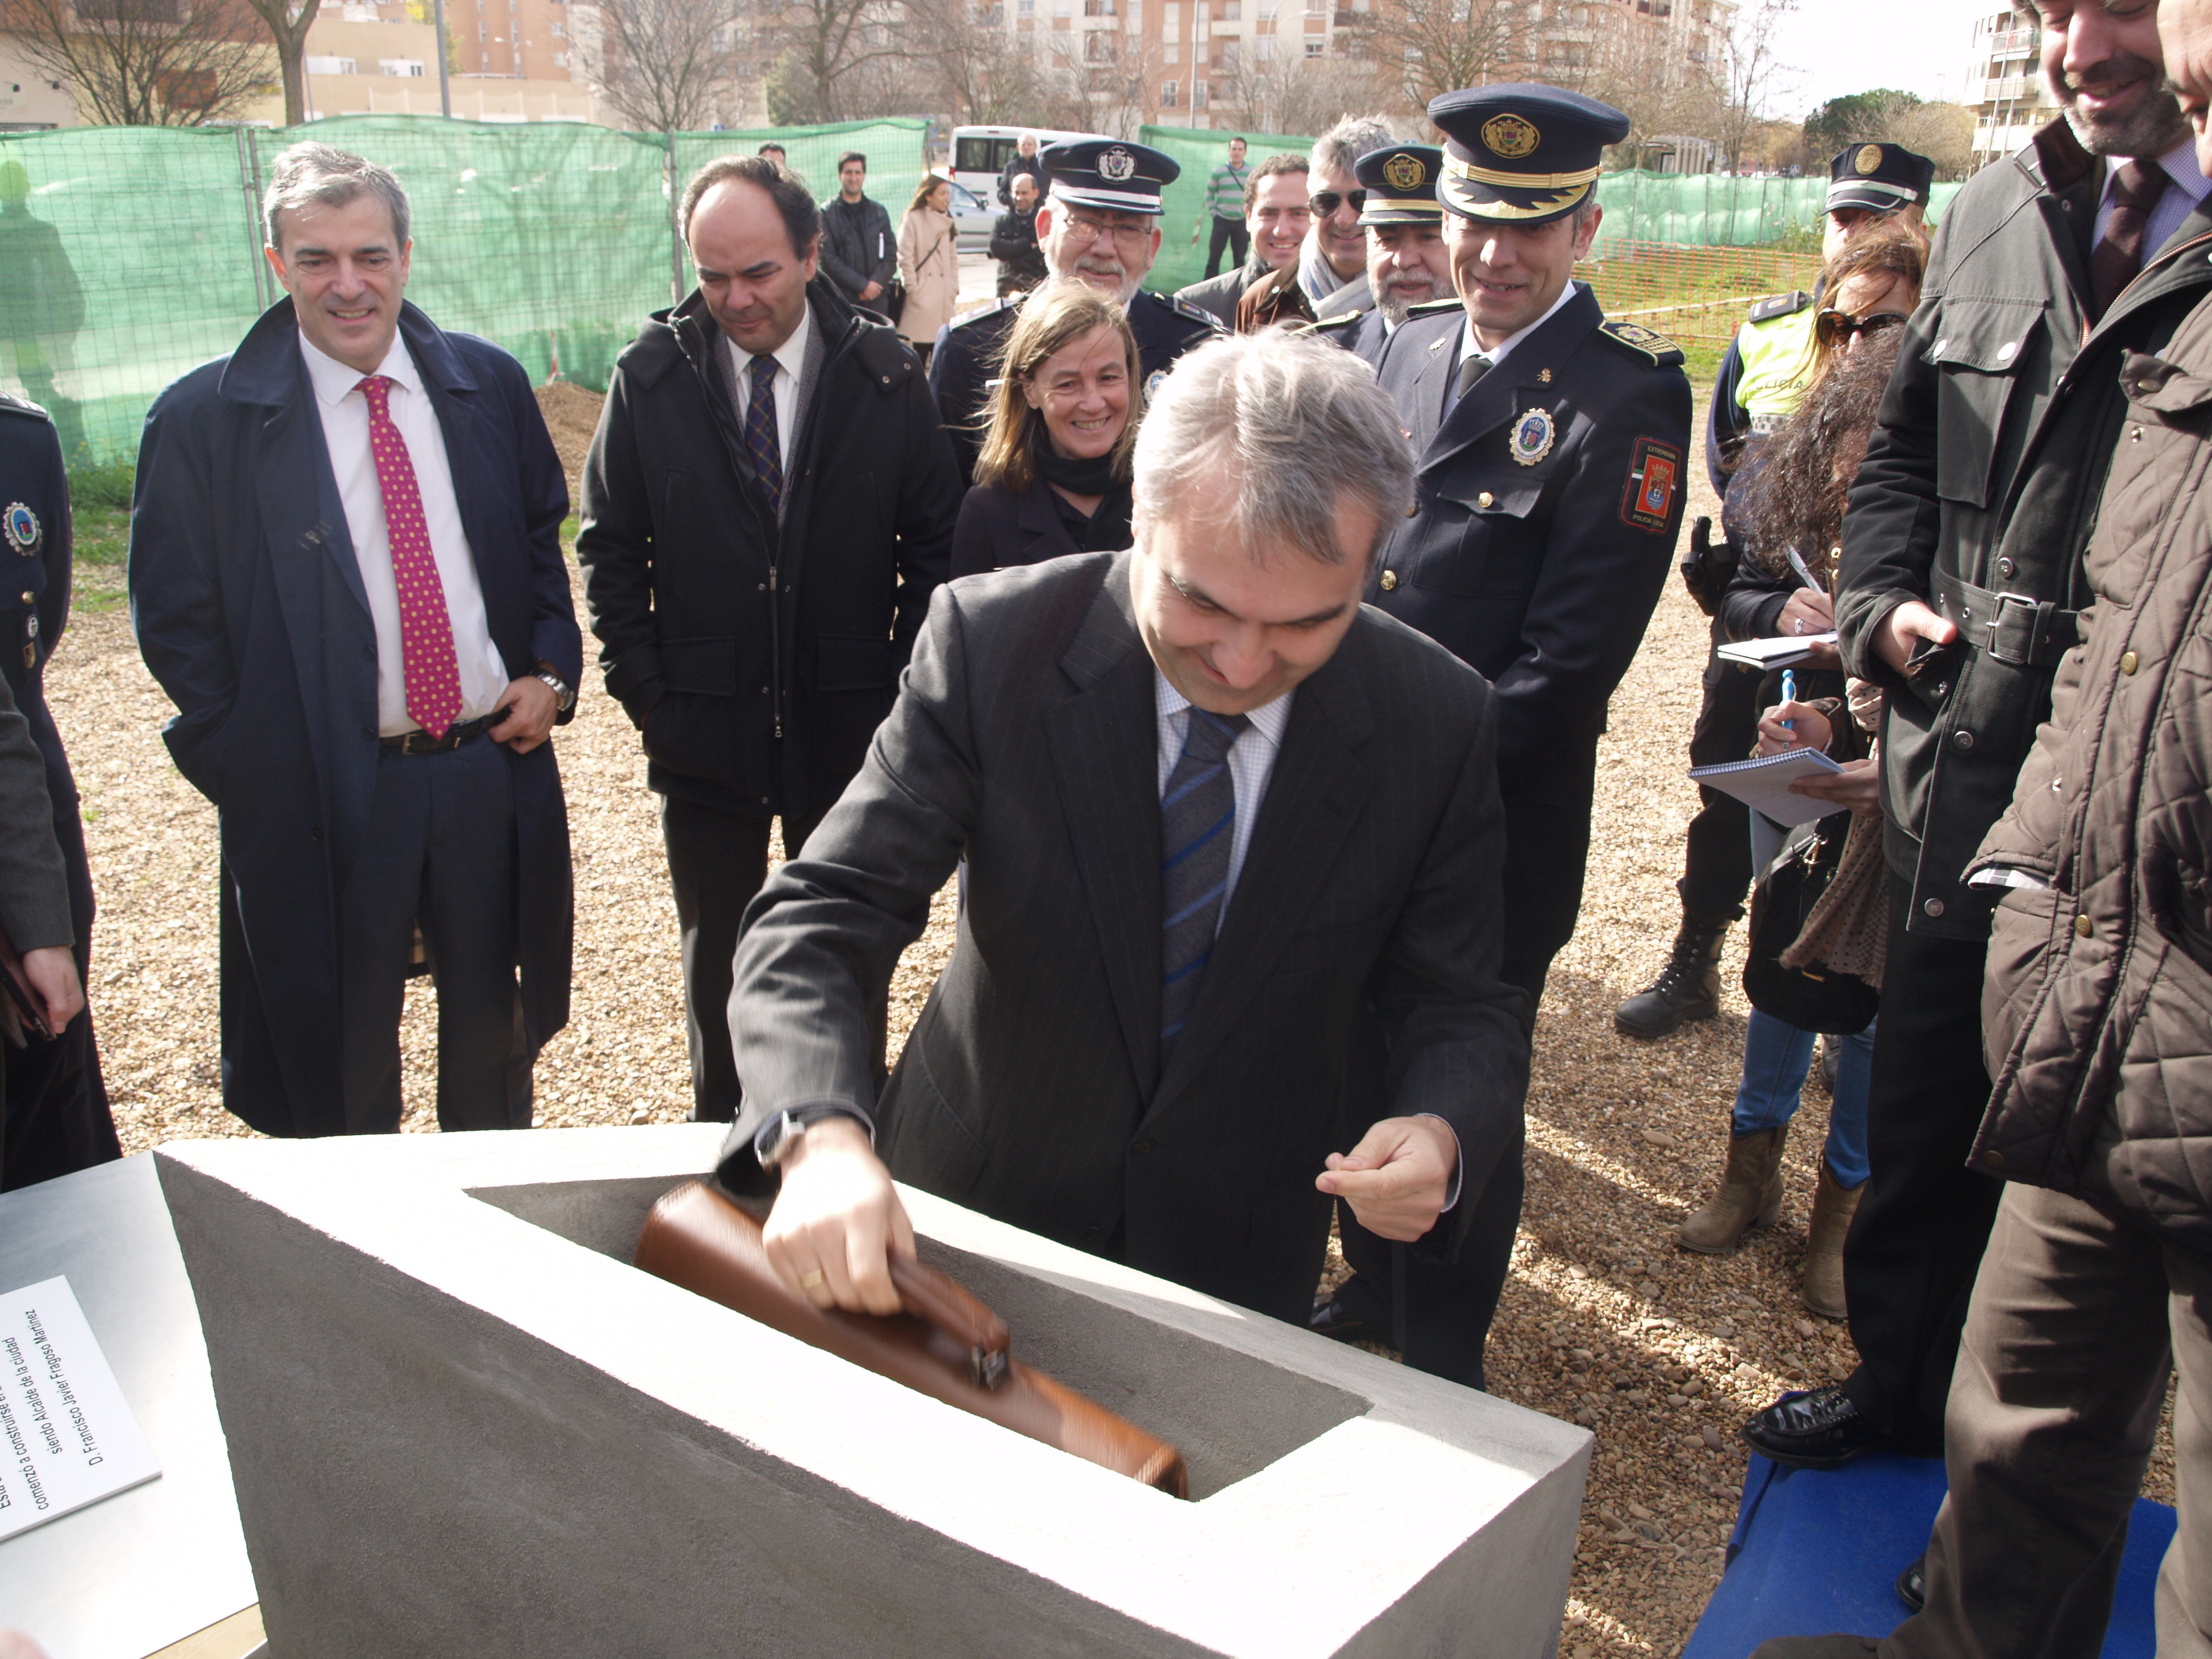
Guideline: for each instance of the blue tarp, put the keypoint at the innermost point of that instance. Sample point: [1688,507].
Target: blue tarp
[1817,1551]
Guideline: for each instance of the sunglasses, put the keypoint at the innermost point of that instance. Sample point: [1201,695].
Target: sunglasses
[1326,202]
[1837,327]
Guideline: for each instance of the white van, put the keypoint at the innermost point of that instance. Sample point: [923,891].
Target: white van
[980,154]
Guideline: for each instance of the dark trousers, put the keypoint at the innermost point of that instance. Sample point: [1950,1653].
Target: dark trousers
[717,860]
[1924,1217]
[1716,869]
[439,851]
[1438,1314]
[1232,233]
[57,1116]
[2075,1320]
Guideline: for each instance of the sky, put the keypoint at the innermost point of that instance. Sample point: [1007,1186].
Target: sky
[1916,45]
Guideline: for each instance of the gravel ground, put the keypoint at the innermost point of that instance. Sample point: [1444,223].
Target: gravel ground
[1603,1320]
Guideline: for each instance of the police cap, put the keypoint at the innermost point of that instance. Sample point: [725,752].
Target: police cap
[1522,154]
[1881,178]
[1401,185]
[1109,173]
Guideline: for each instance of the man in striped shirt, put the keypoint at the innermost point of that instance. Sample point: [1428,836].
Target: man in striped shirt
[1225,205]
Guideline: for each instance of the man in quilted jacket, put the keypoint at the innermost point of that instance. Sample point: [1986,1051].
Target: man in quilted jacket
[2097,1024]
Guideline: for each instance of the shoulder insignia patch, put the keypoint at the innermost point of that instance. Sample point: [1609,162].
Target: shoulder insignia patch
[1433,307]
[10,404]
[1654,349]
[990,310]
[1191,313]
[1655,478]
[1780,305]
[1339,320]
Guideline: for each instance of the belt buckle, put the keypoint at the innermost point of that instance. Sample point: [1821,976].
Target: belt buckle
[2011,604]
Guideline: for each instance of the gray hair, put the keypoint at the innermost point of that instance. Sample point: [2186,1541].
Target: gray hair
[1295,424]
[311,173]
[1339,149]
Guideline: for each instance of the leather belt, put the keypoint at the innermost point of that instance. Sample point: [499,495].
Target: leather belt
[422,743]
[2013,628]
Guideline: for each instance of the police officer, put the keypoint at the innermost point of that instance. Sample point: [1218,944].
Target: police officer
[58,1119]
[1548,498]
[1099,222]
[1406,265]
[1761,378]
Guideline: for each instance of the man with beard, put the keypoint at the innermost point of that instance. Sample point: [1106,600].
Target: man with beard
[1959,586]
[1101,222]
[1406,265]
[1277,217]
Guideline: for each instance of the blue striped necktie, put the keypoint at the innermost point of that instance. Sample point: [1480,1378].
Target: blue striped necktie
[1198,826]
[761,442]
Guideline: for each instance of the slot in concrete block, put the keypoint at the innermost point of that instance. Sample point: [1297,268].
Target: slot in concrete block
[461,1422]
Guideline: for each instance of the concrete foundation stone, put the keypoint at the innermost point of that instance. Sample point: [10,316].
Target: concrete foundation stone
[460,1423]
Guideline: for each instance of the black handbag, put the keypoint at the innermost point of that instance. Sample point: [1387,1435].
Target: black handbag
[892,301]
[1817,998]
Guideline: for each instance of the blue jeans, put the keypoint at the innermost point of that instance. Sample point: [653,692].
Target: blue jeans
[1775,1057]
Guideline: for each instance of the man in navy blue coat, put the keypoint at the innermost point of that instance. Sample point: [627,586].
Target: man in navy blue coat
[346,572]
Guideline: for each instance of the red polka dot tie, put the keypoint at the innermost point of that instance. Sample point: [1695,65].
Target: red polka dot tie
[426,630]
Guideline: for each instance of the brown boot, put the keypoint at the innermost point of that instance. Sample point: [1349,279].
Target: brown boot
[1750,1194]
[1834,1204]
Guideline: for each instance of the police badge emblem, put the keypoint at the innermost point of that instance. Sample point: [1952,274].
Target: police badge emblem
[1405,173]
[1868,159]
[1510,137]
[22,528]
[1532,436]
[1117,165]
[1152,384]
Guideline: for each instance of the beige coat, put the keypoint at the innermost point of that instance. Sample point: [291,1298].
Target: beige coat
[929,265]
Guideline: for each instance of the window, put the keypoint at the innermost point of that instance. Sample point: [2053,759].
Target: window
[1232,10]
[1314,47]
[560,31]
[1263,48]
[1198,95]
[1171,51]
[1097,7]
[1170,91]
[560,60]
[1025,9]
[408,68]
[330,66]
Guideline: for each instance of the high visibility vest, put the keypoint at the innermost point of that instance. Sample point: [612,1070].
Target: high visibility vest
[1775,345]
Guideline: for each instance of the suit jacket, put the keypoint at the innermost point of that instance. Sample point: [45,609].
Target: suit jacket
[1216,296]
[999,528]
[249,612]
[1546,509]
[1025,737]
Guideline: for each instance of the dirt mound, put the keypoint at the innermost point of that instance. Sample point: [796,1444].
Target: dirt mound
[572,415]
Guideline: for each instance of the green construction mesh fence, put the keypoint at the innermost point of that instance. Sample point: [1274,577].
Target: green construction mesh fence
[1198,153]
[130,255]
[1712,210]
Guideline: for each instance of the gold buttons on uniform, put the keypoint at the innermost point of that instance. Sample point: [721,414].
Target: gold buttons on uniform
[1485,499]
[1994,1158]
[2128,661]
[1390,580]
[2084,927]
[27,599]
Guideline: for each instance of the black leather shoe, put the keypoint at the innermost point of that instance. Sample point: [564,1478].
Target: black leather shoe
[1334,1320]
[1913,1585]
[1820,1429]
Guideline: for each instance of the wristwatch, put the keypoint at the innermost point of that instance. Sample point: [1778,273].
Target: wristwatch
[564,693]
[775,1138]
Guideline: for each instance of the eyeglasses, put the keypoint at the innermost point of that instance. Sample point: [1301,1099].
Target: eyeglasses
[1326,202]
[1077,228]
[1837,327]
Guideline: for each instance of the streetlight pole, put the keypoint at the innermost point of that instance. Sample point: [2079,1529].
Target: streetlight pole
[445,82]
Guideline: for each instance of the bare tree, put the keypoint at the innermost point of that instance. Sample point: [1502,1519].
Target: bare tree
[984,75]
[287,22]
[1753,73]
[666,65]
[839,59]
[1640,70]
[1099,81]
[1440,45]
[144,62]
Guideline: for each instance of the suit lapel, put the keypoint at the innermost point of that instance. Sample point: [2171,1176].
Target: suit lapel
[1105,752]
[1037,516]
[1315,796]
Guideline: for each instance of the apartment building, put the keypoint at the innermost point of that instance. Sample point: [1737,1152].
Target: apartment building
[2004,86]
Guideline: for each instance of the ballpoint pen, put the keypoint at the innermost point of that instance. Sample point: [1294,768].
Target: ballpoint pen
[1789,695]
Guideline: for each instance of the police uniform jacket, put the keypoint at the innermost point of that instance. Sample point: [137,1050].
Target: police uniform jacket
[1761,380]
[1546,508]
[756,653]
[1363,333]
[1983,480]
[965,361]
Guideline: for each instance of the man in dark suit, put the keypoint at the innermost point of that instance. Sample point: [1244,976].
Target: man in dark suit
[1407,264]
[1547,502]
[769,504]
[1217,817]
[1100,223]
[346,572]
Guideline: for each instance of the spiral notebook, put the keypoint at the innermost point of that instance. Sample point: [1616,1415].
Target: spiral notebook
[1764,784]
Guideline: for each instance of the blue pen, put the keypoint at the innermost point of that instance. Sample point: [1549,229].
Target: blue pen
[1789,695]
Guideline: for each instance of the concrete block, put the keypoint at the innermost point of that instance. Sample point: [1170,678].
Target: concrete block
[460,1423]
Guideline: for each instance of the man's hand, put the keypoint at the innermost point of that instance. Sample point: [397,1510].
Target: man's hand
[52,973]
[871,291]
[1397,1178]
[1788,726]
[1194,235]
[836,1221]
[1899,633]
[531,707]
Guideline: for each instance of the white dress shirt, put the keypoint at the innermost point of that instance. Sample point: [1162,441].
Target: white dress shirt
[790,364]
[344,409]
[1468,346]
[1251,763]
[2187,186]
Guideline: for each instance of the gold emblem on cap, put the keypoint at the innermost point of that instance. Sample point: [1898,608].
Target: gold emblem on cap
[1869,159]
[1510,137]
[1405,173]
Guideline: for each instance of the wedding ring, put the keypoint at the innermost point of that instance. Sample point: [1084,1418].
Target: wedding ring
[812,1280]
[1797,627]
